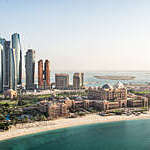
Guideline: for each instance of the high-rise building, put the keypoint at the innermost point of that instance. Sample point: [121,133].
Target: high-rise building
[40,74]
[9,67]
[47,73]
[2,41]
[12,70]
[43,75]
[62,81]
[78,80]
[11,63]
[6,65]
[16,44]
[30,69]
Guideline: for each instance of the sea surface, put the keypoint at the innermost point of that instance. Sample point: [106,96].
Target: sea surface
[124,135]
[142,77]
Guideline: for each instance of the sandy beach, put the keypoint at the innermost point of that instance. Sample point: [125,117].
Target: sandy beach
[31,128]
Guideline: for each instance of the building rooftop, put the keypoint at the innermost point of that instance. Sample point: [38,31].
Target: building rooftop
[119,85]
[61,74]
[107,86]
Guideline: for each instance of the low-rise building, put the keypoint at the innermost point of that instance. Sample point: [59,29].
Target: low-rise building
[107,105]
[58,110]
[108,92]
[137,101]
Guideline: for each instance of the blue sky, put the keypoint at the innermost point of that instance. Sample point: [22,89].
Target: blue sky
[82,34]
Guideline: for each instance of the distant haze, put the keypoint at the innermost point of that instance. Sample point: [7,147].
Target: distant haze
[82,34]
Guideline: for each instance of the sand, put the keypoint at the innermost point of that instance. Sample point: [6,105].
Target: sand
[31,128]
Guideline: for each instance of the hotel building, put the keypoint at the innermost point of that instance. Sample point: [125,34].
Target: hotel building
[6,66]
[43,75]
[16,44]
[40,74]
[78,80]
[109,97]
[62,81]
[47,74]
[30,69]
[107,92]
[1,61]
[13,72]
[11,63]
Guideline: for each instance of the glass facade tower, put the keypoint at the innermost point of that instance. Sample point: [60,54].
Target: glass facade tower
[6,65]
[10,63]
[2,41]
[16,44]
[30,69]
[13,73]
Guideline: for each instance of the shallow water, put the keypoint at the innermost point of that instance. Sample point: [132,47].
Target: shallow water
[125,135]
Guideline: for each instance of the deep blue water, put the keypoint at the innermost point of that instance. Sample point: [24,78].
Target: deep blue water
[125,135]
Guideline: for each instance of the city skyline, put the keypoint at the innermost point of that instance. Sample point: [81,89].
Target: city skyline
[74,74]
[90,35]
[11,63]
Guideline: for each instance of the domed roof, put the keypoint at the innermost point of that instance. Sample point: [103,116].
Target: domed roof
[119,85]
[107,86]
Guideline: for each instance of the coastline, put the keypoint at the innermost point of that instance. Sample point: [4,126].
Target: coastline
[32,128]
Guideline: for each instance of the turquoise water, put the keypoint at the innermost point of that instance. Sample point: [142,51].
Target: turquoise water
[125,135]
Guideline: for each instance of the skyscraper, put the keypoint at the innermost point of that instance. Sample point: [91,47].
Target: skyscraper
[47,73]
[30,69]
[40,74]
[6,65]
[13,73]
[1,66]
[1,63]
[16,44]
[78,80]
[43,75]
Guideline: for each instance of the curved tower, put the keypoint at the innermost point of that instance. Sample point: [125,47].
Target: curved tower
[16,44]
[13,73]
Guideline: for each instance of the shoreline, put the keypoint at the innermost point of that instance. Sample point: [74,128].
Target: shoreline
[33,128]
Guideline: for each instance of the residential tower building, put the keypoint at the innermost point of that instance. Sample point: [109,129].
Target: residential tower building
[30,69]
[6,65]
[2,41]
[12,70]
[16,44]
[78,80]
[40,74]
[43,75]
[47,73]
[62,81]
